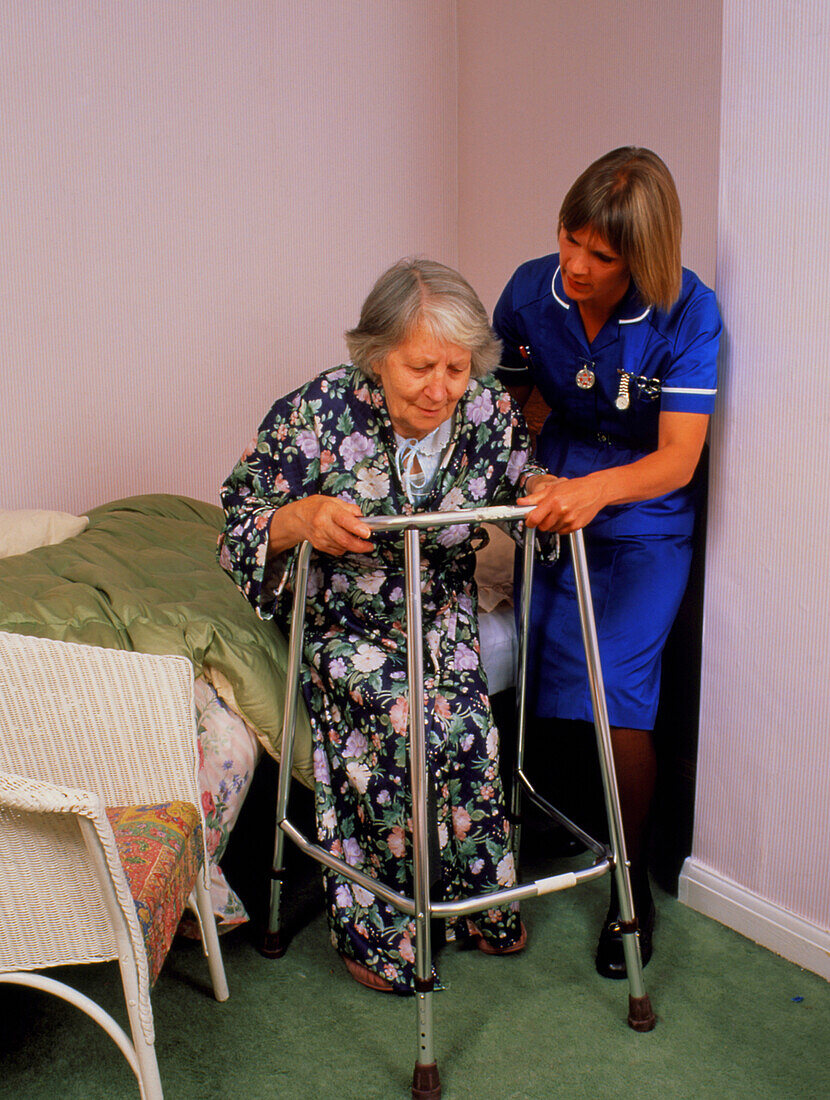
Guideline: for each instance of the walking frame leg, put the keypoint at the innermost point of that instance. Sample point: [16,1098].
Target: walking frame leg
[521,783]
[426,1083]
[273,946]
[521,679]
[640,1014]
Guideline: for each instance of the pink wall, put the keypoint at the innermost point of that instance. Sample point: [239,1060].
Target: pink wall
[545,88]
[762,822]
[196,199]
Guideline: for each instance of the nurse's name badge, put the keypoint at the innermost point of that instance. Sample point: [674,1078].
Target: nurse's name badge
[585,377]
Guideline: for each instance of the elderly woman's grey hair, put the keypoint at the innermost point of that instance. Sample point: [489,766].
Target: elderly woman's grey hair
[417,295]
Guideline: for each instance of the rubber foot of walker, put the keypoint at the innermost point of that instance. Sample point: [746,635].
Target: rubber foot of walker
[640,1014]
[272,946]
[426,1084]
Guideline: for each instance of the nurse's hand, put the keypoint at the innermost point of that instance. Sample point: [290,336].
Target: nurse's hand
[562,504]
[332,526]
[567,504]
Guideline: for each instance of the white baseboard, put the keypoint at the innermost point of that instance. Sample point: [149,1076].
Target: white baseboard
[775,928]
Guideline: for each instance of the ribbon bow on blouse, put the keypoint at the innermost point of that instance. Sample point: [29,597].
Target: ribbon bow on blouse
[418,459]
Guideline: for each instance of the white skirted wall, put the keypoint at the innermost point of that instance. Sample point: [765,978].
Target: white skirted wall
[762,821]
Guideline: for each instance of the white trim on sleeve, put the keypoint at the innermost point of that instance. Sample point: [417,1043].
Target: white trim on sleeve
[688,389]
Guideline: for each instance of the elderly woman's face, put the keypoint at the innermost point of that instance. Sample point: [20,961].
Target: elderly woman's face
[423,381]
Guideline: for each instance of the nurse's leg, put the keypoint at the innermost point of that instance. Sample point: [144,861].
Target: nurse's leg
[635,764]
[647,579]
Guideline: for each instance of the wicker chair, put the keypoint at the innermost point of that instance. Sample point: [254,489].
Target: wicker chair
[101,826]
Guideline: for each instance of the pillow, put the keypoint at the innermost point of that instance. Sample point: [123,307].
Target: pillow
[494,569]
[24,529]
[228,754]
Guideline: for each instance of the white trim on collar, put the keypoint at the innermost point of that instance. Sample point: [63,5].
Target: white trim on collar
[635,320]
[553,289]
[567,305]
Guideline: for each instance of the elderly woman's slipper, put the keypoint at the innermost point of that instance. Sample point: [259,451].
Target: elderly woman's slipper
[365,976]
[475,937]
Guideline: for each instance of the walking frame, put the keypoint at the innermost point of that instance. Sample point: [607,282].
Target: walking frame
[608,859]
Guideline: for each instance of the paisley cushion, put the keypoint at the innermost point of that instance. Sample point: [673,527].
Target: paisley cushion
[161,852]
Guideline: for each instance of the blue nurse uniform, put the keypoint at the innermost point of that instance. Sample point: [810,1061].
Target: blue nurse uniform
[638,553]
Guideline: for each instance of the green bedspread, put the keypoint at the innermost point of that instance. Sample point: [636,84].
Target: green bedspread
[144,576]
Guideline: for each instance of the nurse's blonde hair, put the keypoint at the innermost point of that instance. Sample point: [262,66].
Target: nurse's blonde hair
[628,198]
[422,295]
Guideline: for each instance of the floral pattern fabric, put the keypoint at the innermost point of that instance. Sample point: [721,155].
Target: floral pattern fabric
[160,848]
[333,436]
[228,754]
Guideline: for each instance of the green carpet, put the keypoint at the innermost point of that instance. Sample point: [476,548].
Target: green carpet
[734,1021]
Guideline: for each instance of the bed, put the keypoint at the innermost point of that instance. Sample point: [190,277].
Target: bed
[141,574]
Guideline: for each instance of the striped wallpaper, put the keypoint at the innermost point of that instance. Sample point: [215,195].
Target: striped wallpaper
[197,197]
[763,802]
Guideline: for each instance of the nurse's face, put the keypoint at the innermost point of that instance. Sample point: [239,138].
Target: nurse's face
[592,272]
[423,381]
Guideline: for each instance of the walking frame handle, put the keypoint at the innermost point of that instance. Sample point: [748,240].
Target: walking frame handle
[411,525]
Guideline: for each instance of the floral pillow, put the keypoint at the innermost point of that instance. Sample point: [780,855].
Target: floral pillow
[229,753]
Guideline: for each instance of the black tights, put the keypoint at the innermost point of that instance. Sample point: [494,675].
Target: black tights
[635,762]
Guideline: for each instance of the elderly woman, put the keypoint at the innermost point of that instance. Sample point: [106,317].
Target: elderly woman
[414,423]
[621,342]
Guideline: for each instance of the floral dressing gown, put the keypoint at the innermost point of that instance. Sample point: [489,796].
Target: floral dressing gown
[334,436]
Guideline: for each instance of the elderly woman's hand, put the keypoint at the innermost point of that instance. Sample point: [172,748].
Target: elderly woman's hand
[562,504]
[332,526]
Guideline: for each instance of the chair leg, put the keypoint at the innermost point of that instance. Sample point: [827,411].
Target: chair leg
[210,939]
[149,1081]
[147,1071]
[139,1053]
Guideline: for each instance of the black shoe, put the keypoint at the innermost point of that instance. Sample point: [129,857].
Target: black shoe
[610,953]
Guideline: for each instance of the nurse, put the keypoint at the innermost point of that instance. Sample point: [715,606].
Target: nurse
[621,343]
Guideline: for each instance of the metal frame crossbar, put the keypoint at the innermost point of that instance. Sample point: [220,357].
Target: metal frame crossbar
[609,858]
